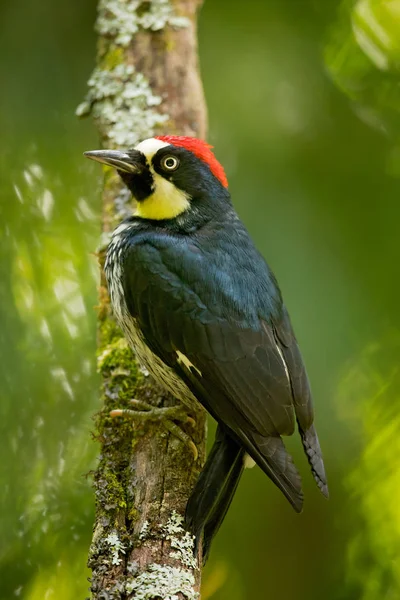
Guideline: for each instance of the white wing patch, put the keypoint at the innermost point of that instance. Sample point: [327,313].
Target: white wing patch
[248,461]
[183,360]
[284,362]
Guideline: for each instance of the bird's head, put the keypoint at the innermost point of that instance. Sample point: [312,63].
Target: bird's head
[169,176]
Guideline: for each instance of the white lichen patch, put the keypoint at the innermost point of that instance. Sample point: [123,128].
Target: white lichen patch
[120,97]
[116,547]
[181,541]
[144,532]
[163,582]
[123,101]
[174,524]
[121,19]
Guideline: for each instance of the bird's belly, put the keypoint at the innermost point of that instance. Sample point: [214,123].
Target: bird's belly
[147,359]
[156,367]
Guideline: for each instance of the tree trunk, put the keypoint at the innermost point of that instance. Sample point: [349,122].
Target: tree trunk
[146,82]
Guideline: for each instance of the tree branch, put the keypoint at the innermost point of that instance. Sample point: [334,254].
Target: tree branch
[146,82]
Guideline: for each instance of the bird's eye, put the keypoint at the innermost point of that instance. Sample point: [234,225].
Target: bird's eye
[170,163]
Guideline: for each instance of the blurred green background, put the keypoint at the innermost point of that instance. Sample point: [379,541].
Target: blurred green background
[304,100]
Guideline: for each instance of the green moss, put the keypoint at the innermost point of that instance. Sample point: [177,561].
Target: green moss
[109,333]
[115,490]
[133,514]
[113,57]
[121,377]
[115,358]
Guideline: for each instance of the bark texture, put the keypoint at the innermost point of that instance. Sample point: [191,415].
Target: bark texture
[146,82]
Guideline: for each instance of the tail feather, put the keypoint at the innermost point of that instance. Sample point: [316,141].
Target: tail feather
[214,490]
[271,455]
[221,507]
[314,456]
[217,483]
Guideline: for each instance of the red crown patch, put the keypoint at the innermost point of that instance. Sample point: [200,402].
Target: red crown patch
[200,149]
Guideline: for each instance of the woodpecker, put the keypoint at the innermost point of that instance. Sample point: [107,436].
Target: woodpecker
[204,314]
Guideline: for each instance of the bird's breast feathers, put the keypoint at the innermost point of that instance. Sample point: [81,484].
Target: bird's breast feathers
[152,363]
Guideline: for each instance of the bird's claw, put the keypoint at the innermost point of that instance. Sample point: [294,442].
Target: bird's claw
[164,414]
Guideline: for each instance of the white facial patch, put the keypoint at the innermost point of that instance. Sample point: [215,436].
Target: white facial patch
[183,360]
[167,201]
[150,147]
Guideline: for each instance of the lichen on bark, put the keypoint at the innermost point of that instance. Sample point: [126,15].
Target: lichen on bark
[146,82]
[122,100]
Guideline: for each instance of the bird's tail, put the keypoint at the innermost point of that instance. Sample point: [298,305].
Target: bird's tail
[270,454]
[214,490]
[314,456]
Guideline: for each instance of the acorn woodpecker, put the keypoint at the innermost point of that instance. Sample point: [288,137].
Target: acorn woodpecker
[204,314]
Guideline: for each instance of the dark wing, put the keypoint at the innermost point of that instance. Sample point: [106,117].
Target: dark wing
[302,400]
[237,372]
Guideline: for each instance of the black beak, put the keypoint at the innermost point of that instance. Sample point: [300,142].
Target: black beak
[128,163]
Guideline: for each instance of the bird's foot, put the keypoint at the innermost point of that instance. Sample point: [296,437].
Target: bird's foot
[143,410]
